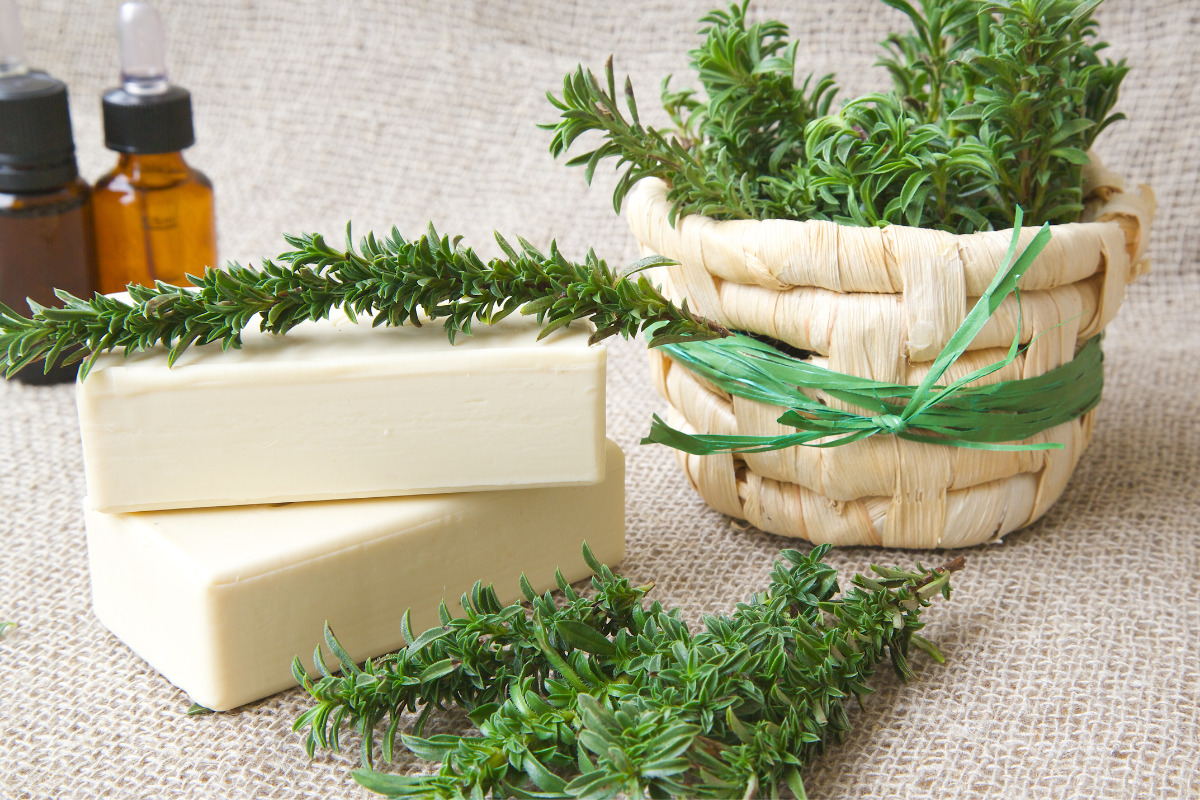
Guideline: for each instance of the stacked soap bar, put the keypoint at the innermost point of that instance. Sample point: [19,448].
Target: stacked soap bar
[225,514]
[337,409]
[219,600]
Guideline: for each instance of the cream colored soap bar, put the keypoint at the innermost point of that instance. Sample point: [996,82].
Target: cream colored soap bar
[220,600]
[337,410]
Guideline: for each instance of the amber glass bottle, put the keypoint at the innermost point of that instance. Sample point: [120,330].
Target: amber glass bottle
[154,221]
[154,214]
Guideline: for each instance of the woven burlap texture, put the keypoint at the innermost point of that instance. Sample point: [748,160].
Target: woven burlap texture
[1073,660]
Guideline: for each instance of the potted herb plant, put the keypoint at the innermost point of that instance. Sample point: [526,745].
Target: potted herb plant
[903,378]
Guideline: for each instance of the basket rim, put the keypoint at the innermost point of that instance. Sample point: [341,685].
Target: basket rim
[768,246]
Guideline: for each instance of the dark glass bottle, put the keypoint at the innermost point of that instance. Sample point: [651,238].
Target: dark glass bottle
[45,208]
[154,213]
[154,221]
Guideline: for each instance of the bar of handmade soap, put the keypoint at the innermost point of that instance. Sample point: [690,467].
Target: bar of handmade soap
[220,600]
[336,410]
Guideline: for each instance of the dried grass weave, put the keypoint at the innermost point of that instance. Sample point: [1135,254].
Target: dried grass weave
[881,303]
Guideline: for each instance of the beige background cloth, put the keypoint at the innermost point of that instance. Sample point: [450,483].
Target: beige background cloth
[1073,647]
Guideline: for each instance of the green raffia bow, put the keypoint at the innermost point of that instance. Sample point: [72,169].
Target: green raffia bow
[980,417]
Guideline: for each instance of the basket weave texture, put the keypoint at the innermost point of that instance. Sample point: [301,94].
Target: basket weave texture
[881,303]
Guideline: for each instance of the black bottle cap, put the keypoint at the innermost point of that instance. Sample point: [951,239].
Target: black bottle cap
[37,152]
[148,123]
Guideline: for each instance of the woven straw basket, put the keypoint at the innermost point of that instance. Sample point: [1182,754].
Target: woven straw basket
[881,303]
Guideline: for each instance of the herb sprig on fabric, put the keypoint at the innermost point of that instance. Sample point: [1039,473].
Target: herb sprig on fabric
[393,281]
[606,694]
[995,104]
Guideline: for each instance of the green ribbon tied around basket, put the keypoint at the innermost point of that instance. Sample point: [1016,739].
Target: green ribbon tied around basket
[986,417]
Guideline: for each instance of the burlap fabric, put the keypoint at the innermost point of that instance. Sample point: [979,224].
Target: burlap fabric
[1073,646]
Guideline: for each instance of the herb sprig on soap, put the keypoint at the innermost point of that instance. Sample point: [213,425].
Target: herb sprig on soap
[994,105]
[393,281]
[606,694]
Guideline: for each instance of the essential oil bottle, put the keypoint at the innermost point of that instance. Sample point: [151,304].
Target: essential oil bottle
[154,214]
[45,207]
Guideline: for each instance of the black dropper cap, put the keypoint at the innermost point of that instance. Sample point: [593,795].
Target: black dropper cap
[158,123]
[145,114]
[37,152]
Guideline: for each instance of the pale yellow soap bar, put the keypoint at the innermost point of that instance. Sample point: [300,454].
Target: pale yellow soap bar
[220,600]
[337,410]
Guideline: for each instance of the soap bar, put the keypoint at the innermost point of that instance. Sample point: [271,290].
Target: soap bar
[220,600]
[337,409]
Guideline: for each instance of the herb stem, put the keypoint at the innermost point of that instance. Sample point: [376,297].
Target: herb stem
[994,105]
[734,709]
[394,281]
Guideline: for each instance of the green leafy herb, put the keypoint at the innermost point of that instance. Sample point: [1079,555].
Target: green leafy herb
[607,694]
[994,105]
[4,626]
[394,281]
[197,710]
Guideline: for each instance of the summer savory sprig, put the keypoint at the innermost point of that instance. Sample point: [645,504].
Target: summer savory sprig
[393,280]
[995,104]
[607,694]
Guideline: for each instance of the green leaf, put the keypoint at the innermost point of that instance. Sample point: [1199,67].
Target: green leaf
[582,636]
[527,588]
[929,648]
[481,714]
[965,113]
[911,186]
[342,656]
[739,728]
[1071,154]
[433,749]
[437,670]
[596,785]
[429,637]
[390,785]
[1071,128]
[796,783]
[590,559]
[1084,9]
[543,778]
[406,626]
